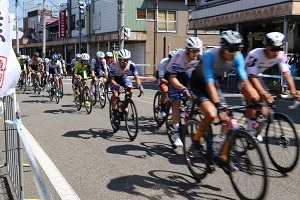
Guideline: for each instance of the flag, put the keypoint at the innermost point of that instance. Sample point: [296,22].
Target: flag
[10,69]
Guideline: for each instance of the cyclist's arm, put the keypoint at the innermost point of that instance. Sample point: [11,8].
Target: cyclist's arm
[135,74]
[174,81]
[113,82]
[290,82]
[105,68]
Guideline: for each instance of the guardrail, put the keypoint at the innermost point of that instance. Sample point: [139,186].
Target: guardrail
[14,138]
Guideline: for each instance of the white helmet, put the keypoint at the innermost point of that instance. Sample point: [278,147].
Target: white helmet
[78,56]
[23,57]
[109,54]
[124,54]
[85,57]
[274,39]
[193,43]
[100,54]
[231,39]
[46,60]
[172,53]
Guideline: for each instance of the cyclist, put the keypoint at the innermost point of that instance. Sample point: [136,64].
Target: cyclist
[180,67]
[163,81]
[99,68]
[109,58]
[80,70]
[23,64]
[63,65]
[206,90]
[53,67]
[73,61]
[36,66]
[119,79]
[260,59]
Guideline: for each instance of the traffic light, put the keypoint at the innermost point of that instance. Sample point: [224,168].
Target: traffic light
[81,7]
[127,32]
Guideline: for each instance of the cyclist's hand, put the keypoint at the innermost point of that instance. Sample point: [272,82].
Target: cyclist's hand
[185,92]
[267,97]
[120,88]
[296,95]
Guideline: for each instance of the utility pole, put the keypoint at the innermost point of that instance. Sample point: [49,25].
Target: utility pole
[122,24]
[44,30]
[81,6]
[17,29]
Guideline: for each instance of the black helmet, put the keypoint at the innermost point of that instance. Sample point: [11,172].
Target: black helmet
[36,54]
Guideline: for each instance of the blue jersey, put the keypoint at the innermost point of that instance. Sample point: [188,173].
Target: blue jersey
[98,65]
[213,65]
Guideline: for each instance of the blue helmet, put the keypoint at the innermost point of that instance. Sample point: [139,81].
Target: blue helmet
[54,57]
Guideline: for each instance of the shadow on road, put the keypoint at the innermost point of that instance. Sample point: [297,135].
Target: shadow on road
[163,184]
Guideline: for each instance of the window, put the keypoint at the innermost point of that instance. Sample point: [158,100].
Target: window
[143,14]
[167,21]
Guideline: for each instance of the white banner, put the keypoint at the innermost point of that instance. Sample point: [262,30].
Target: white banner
[10,69]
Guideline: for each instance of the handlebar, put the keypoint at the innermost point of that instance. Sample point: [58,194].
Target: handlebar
[288,96]
[127,90]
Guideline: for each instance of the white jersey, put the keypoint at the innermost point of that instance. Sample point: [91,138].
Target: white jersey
[257,62]
[162,67]
[49,65]
[180,64]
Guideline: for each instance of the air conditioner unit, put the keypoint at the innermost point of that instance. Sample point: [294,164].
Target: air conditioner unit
[190,2]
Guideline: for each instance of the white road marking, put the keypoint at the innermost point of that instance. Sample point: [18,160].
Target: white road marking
[63,188]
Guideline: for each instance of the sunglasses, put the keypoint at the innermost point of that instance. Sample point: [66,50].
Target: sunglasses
[124,60]
[194,50]
[232,51]
[275,49]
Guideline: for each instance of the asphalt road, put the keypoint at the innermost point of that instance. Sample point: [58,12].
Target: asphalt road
[101,165]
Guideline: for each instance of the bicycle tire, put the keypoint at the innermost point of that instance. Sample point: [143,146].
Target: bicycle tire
[78,99]
[169,125]
[246,171]
[197,166]
[101,93]
[51,94]
[24,86]
[56,93]
[95,93]
[283,152]
[88,100]
[61,90]
[131,115]
[111,117]
[156,109]
[108,93]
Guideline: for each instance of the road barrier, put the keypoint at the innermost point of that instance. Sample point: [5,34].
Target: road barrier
[14,138]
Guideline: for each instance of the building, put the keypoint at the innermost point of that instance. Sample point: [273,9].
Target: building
[156,27]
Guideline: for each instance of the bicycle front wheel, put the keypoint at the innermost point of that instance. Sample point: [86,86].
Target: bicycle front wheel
[247,168]
[157,108]
[169,124]
[88,100]
[56,94]
[115,124]
[282,143]
[196,164]
[102,96]
[131,119]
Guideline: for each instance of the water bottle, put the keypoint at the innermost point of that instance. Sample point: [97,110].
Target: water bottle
[120,105]
[259,119]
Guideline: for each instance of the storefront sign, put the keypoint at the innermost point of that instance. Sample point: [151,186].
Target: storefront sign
[62,24]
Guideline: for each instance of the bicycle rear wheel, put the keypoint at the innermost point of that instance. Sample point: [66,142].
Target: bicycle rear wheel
[282,143]
[169,124]
[56,93]
[157,108]
[78,98]
[88,100]
[196,164]
[247,168]
[131,119]
[102,96]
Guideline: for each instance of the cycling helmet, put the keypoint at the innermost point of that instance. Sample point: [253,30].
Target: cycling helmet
[54,57]
[23,57]
[109,54]
[124,54]
[193,43]
[85,57]
[171,54]
[100,54]
[36,54]
[46,60]
[231,39]
[178,49]
[274,39]
[59,55]
[78,56]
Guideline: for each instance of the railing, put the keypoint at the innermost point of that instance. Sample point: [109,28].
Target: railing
[14,161]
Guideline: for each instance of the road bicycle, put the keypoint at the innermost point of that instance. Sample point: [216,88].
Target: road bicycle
[82,94]
[126,111]
[98,91]
[243,162]
[281,137]
[44,80]
[27,81]
[35,83]
[53,90]
[157,107]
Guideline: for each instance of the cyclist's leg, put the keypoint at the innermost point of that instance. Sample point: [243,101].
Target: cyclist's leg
[164,90]
[127,83]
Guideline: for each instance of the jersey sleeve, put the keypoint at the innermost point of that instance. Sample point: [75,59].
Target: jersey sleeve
[93,63]
[207,69]
[161,68]
[251,65]
[77,66]
[133,69]
[175,60]
[283,65]
[239,64]
[112,69]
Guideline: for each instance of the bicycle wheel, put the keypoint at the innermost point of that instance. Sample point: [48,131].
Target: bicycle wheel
[107,91]
[131,119]
[196,165]
[169,124]
[78,99]
[282,143]
[88,100]
[56,93]
[247,170]
[101,95]
[157,108]
[51,94]
[95,93]
[25,85]
[115,125]
[61,89]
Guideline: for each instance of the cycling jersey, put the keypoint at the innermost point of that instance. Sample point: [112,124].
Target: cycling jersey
[81,69]
[116,71]
[33,62]
[23,65]
[98,65]
[73,61]
[162,67]
[257,62]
